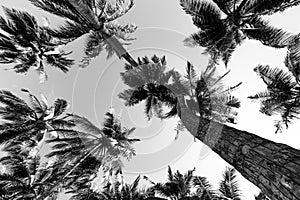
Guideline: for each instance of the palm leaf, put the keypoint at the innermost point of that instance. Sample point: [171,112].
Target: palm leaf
[228,186]
[204,13]
[268,35]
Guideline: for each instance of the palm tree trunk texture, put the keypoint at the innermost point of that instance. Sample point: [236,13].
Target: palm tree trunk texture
[271,166]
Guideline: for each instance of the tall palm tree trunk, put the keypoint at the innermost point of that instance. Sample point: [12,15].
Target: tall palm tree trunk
[271,166]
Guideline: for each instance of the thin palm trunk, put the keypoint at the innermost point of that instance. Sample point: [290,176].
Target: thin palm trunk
[271,166]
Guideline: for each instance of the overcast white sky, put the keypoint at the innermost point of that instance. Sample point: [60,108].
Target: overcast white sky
[162,27]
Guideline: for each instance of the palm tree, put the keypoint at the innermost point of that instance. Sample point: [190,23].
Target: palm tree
[150,81]
[225,24]
[269,165]
[74,149]
[28,46]
[25,177]
[281,97]
[178,185]
[95,18]
[24,126]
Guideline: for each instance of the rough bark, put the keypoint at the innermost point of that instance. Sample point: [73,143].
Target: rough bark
[271,166]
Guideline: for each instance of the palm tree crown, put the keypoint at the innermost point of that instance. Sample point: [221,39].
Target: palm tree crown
[151,81]
[95,18]
[224,24]
[28,45]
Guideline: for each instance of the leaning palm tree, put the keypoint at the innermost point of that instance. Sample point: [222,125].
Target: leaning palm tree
[73,149]
[225,24]
[267,164]
[281,97]
[95,18]
[29,46]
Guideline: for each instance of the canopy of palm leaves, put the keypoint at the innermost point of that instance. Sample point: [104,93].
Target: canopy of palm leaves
[79,147]
[150,81]
[188,186]
[25,177]
[178,185]
[80,151]
[26,125]
[281,96]
[27,45]
[224,24]
[95,18]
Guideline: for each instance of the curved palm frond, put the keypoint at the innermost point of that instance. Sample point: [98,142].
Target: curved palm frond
[281,96]
[268,7]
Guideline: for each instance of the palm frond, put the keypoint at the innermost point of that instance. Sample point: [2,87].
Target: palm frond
[228,186]
[61,8]
[292,60]
[227,6]
[204,13]
[84,125]
[69,31]
[268,35]
[268,7]
[203,188]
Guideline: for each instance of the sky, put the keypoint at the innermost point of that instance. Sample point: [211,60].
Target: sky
[162,25]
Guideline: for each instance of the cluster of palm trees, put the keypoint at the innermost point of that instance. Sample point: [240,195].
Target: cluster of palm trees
[203,104]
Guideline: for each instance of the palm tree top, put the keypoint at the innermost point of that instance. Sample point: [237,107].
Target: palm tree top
[152,82]
[223,25]
[97,18]
[27,45]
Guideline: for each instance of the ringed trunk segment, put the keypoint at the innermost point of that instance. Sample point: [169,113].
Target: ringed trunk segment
[271,166]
